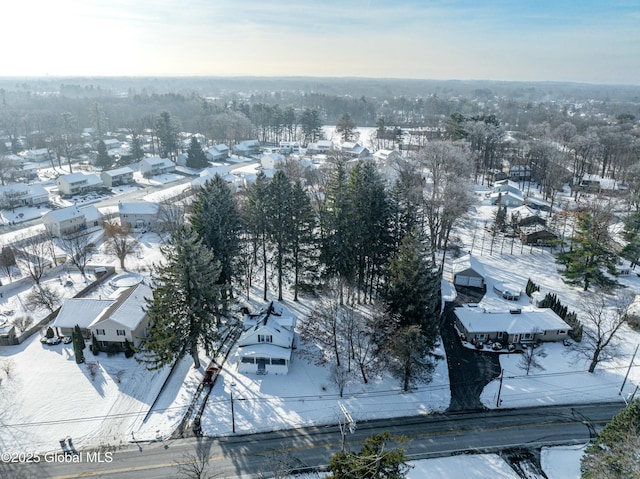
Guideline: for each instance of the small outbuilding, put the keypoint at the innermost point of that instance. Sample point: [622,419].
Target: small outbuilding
[467,271]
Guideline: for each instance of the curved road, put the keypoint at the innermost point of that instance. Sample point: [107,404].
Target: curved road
[247,456]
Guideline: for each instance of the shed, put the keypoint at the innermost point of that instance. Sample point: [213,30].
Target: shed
[467,271]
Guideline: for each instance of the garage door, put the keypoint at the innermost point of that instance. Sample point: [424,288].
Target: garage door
[475,282]
[461,280]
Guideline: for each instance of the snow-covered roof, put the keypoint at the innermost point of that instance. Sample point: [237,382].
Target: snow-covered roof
[215,170]
[64,214]
[156,160]
[91,213]
[265,350]
[127,307]
[93,179]
[81,311]
[477,320]
[119,171]
[466,263]
[73,177]
[138,208]
[524,212]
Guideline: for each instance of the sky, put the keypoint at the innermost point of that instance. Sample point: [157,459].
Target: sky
[592,41]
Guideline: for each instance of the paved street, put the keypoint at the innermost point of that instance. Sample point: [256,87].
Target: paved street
[430,436]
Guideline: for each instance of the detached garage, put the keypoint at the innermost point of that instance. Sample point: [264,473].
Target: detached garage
[467,271]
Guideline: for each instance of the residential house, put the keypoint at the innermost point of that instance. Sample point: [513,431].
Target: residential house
[7,333]
[112,144]
[247,148]
[71,219]
[20,194]
[537,235]
[508,198]
[354,150]
[217,152]
[117,177]
[467,271]
[289,147]
[39,155]
[271,161]
[78,183]
[518,325]
[112,321]
[266,344]
[519,173]
[321,147]
[388,156]
[139,215]
[527,217]
[124,320]
[155,165]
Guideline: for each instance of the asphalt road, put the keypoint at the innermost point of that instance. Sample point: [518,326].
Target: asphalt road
[249,455]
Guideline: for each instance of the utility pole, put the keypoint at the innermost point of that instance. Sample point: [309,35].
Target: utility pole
[628,370]
[348,423]
[233,416]
[500,387]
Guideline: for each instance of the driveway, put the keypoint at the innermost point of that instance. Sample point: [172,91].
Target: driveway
[469,370]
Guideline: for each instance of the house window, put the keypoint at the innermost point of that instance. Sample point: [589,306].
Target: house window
[265,338]
[279,362]
[500,334]
[527,336]
[120,332]
[562,331]
[247,360]
[100,332]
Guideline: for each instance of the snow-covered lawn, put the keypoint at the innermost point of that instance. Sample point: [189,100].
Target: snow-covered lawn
[478,466]
[562,462]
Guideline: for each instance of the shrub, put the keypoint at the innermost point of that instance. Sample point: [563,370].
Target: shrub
[113,349]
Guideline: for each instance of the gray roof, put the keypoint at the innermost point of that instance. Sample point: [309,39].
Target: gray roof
[81,311]
[477,320]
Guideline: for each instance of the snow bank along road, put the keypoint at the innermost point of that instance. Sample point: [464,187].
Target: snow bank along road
[246,456]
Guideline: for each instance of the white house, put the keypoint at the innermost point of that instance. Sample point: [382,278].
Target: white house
[124,320]
[518,325]
[117,177]
[139,215]
[508,198]
[271,161]
[71,219]
[247,148]
[20,194]
[321,147]
[112,144]
[156,166]
[112,321]
[267,341]
[78,183]
[389,156]
[217,152]
[289,147]
[355,150]
[39,155]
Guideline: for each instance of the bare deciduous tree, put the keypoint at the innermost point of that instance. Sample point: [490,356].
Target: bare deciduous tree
[7,261]
[119,240]
[602,324]
[31,255]
[170,217]
[42,297]
[195,465]
[529,359]
[76,247]
[339,377]
[23,323]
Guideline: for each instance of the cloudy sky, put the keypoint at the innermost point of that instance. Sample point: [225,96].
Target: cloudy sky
[594,41]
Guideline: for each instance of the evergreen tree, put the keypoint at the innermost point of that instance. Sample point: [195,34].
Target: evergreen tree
[103,160]
[500,219]
[217,221]
[255,219]
[280,222]
[375,460]
[137,153]
[184,310]
[95,347]
[346,128]
[303,237]
[337,251]
[614,453]
[370,223]
[631,235]
[590,254]
[167,133]
[311,126]
[411,354]
[412,291]
[195,156]
[78,344]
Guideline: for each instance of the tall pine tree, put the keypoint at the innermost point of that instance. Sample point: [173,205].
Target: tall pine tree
[183,313]
[303,237]
[255,213]
[217,221]
[279,222]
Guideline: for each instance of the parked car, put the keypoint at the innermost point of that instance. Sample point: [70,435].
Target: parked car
[55,340]
[66,340]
